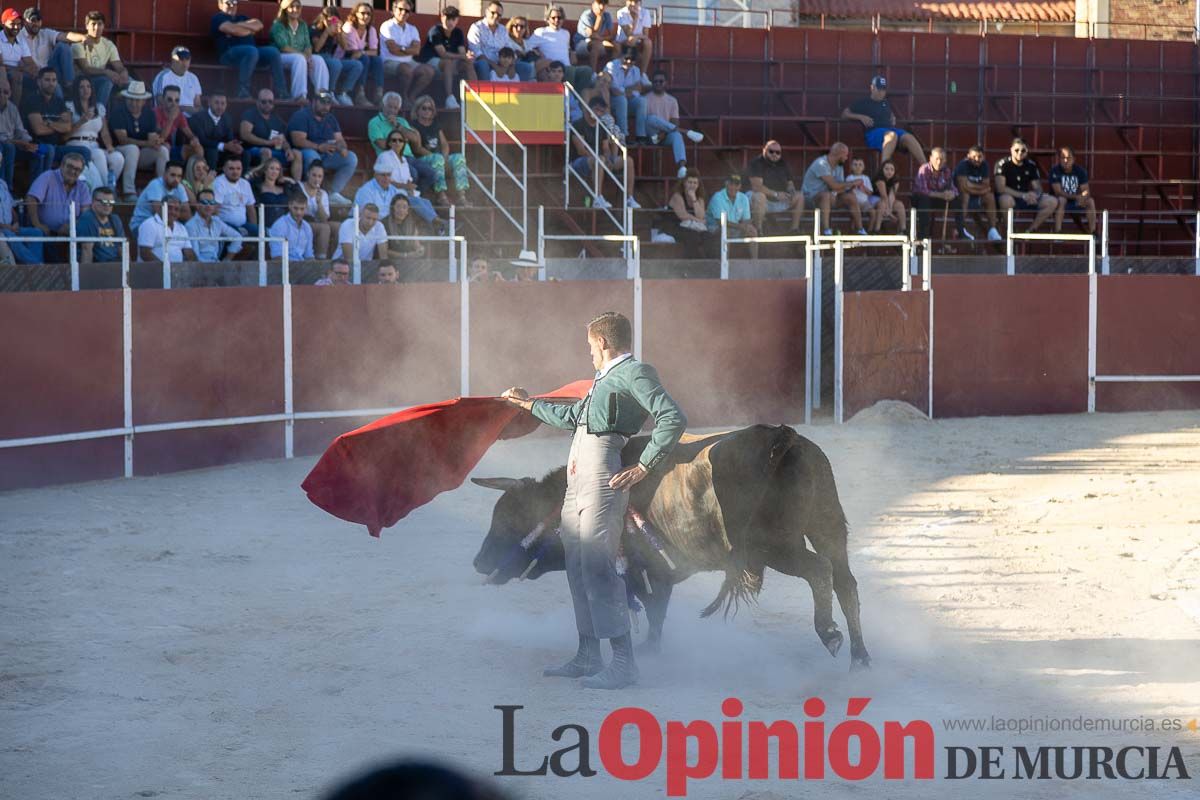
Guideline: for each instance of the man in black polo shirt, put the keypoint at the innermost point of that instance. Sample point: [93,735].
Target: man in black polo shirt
[47,118]
[879,123]
[772,187]
[974,179]
[1019,185]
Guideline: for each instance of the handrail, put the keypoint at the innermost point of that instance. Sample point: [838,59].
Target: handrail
[569,90]
[493,153]
[451,238]
[632,248]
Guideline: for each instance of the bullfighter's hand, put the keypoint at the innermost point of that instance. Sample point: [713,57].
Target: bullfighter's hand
[518,397]
[628,477]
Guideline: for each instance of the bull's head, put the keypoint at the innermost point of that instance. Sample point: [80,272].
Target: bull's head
[521,542]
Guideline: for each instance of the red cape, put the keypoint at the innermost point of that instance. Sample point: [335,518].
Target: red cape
[375,475]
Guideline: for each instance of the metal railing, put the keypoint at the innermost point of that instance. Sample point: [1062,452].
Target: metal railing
[452,240]
[631,245]
[593,149]
[492,150]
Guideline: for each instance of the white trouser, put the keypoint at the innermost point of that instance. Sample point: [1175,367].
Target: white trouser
[301,68]
[104,162]
[141,158]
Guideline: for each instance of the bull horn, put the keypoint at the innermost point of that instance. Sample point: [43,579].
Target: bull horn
[503,484]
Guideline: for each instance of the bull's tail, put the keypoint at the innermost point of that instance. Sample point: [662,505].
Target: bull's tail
[738,587]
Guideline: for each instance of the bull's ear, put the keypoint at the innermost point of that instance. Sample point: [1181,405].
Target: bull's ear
[503,484]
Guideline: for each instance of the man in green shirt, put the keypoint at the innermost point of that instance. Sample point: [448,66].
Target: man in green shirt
[387,120]
[624,394]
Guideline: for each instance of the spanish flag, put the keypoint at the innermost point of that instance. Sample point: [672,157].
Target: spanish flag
[534,112]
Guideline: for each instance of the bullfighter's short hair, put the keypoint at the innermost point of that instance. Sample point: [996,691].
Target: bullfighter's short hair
[614,328]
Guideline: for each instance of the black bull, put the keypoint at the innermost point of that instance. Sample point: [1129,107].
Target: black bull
[737,502]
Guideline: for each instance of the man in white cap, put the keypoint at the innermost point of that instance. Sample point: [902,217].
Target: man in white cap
[178,73]
[879,119]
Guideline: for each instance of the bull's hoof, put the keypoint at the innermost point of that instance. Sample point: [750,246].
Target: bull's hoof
[860,664]
[650,647]
[832,639]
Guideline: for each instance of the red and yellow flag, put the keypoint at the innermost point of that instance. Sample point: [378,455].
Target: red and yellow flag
[532,111]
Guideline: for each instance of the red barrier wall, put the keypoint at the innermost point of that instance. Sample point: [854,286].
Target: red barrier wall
[374,347]
[731,352]
[1147,325]
[1009,344]
[533,335]
[60,372]
[885,349]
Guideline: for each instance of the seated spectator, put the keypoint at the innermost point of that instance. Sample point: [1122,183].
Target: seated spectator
[1019,185]
[15,252]
[338,275]
[173,126]
[135,129]
[213,128]
[889,208]
[864,193]
[197,176]
[235,199]
[1069,182]
[371,235]
[879,120]
[599,126]
[388,120]
[380,191]
[973,178]
[485,38]
[634,25]
[691,228]
[735,205]
[825,185]
[506,66]
[18,65]
[100,221]
[178,73]
[271,190]
[326,36]
[263,132]
[292,227]
[625,88]
[317,210]
[445,49]
[16,143]
[660,119]
[50,48]
[596,35]
[149,202]
[772,188]
[553,41]
[48,204]
[401,222]
[315,132]
[387,275]
[433,151]
[89,125]
[234,34]
[289,34]
[401,43]
[212,238]
[932,188]
[153,233]
[48,119]
[360,40]
[524,51]
[393,161]
[97,57]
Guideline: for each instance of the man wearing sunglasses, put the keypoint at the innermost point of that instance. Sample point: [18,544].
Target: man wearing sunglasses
[1019,185]
[400,44]
[772,188]
[99,221]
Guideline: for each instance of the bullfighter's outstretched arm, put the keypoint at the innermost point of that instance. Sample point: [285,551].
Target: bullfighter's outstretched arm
[560,415]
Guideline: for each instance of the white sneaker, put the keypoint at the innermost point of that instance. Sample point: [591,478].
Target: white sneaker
[339,200]
[633,203]
[344,99]
[682,173]
[695,136]
[658,237]
[601,203]
[655,138]
[861,232]
[966,234]
[993,235]
[827,232]
[452,103]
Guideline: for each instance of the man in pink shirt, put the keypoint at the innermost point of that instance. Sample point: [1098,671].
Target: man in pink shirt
[658,118]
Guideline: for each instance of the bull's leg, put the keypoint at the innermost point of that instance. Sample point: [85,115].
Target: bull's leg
[817,570]
[847,592]
[656,612]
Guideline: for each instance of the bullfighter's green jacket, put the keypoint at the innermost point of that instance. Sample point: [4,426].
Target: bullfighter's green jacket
[619,402]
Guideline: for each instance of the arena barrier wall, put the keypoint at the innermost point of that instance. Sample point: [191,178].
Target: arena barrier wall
[1010,345]
[885,349]
[731,352]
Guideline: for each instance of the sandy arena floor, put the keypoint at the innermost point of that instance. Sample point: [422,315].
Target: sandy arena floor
[213,635]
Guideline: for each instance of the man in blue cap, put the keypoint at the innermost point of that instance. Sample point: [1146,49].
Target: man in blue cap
[877,117]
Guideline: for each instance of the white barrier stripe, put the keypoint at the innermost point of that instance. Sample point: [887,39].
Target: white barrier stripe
[160,427]
[597,238]
[1054,237]
[1147,378]
[59,438]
